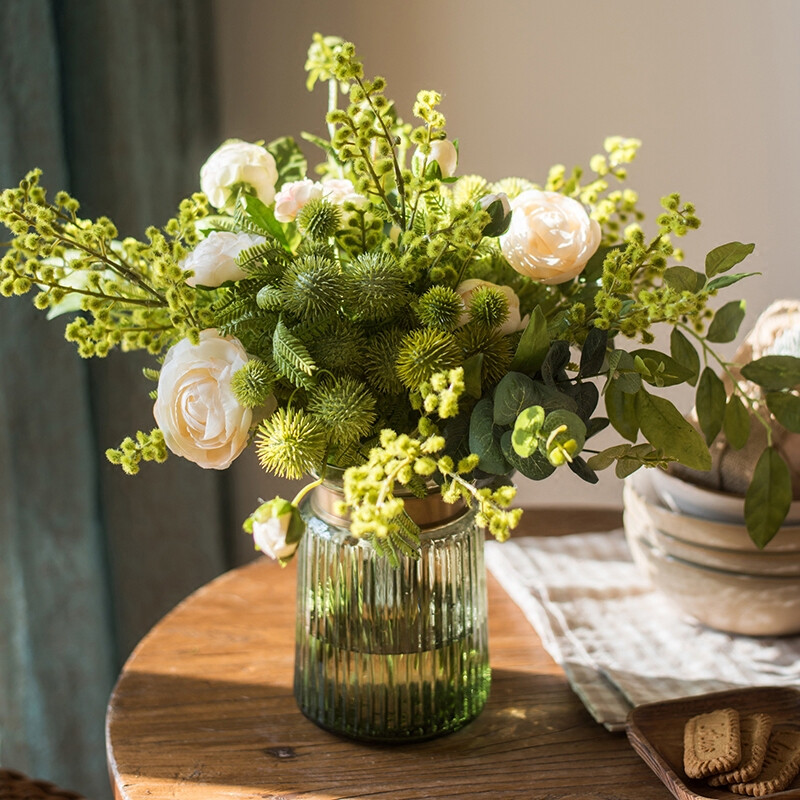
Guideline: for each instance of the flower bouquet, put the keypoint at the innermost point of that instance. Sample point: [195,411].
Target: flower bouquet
[401,330]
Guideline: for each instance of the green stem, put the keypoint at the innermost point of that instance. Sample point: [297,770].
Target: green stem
[306,489]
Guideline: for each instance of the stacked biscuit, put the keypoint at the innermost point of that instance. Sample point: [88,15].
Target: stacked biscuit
[742,753]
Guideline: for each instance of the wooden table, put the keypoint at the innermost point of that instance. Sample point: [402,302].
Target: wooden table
[204,710]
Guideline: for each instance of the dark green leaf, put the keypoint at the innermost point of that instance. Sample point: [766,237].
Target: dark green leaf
[555,361]
[774,372]
[297,527]
[535,467]
[710,404]
[289,160]
[664,371]
[514,393]
[533,345]
[626,466]
[473,368]
[786,409]
[736,423]
[667,430]
[583,470]
[726,322]
[595,425]
[594,266]
[768,497]
[728,280]
[263,217]
[684,279]
[586,396]
[684,353]
[622,368]
[621,410]
[551,399]
[500,221]
[593,353]
[726,256]
[605,458]
[528,431]
[482,439]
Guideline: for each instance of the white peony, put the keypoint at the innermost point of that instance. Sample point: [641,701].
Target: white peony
[293,196]
[443,152]
[271,524]
[467,288]
[213,261]
[340,191]
[234,164]
[551,237]
[196,409]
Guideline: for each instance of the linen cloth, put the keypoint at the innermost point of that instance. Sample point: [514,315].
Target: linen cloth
[619,641]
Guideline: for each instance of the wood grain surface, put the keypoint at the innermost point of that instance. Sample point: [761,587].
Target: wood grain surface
[204,710]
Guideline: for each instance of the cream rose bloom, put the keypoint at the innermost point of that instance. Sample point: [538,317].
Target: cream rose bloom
[467,288]
[340,191]
[271,523]
[237,162]
[293,196]
[196,409]
[551,237]
[444,153]
[213,261]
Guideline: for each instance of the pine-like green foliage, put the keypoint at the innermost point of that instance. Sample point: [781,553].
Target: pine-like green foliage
[237,313]
[313,287]
[488,307]
[440,307]
[290,443]
[292,359]
[253,383]
[423,352]
[345,409]
[265,261]
[377,287]
[319,220]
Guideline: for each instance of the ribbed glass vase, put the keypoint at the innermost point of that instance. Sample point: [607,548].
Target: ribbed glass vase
[389,653]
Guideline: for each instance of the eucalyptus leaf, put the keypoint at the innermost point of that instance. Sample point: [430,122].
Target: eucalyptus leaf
[667,430]
[514,393]
[726,322]
[593,353]
[482,439]
[626,466]
[774,372]
[710,404]
[736,423]
[586,396]
[555,362]
[536,467]
[768,497]
[721,281]
[726,256]
[533,345]
[583,470]
[683,351]
[528,431]
[786,409]
[669,372]
[605,458]
[473,368]
[684,279]
[595,425]
[621,410]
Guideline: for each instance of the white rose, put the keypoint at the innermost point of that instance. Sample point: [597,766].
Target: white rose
[234,163]
[213,261]
[340,191]
[271,528]
[551,237]
[467,288]
[196,408]
[293,196]
[444,153]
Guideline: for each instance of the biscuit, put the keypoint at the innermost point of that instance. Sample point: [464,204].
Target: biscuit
[755,730]
[711,743]
[781,765]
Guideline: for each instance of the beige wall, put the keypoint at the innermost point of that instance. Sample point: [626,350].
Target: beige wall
[712,87]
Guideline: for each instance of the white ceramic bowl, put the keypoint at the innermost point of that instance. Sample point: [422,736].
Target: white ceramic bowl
[683,497]
[640,497]
[753,605]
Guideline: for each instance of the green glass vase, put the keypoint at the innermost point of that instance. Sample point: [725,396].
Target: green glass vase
[385,653]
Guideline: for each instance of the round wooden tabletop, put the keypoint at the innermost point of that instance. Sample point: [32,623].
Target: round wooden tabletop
[204,710]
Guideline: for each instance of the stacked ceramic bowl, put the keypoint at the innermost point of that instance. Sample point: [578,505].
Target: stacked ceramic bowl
[693,544]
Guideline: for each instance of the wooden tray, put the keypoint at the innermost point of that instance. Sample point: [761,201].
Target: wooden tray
[656,732]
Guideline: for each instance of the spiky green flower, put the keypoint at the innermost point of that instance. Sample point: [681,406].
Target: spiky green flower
[423,352]
[496,351]
[290,443]
[512,187]
[253,383]
[440,307]
[313,286]
[469,189]
[488,307]
[380,359]
[345,408]
[377,286]
[338,346]
[319,219]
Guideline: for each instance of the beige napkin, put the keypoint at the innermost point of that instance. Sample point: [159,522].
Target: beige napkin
[619,641]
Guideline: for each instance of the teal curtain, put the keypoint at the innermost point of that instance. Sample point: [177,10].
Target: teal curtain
[114,100]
